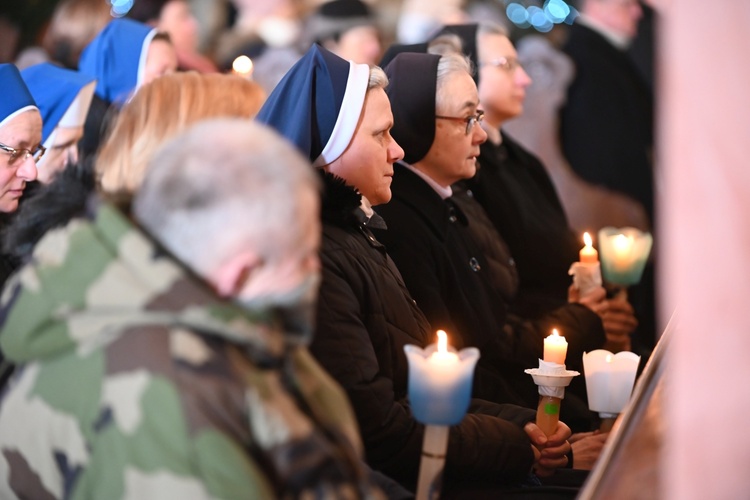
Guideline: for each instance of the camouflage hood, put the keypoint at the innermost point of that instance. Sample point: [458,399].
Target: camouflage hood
[91,280]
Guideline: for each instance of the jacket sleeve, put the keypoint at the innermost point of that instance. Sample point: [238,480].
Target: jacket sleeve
[484,445]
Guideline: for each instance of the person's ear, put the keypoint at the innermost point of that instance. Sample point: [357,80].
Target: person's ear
[229,278]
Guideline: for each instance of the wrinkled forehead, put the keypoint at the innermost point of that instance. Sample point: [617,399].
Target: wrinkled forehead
[22,129]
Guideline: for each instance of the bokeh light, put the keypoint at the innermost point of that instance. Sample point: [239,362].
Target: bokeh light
[528,13]
[121,7]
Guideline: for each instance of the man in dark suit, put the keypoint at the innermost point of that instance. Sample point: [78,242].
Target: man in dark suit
[607,121]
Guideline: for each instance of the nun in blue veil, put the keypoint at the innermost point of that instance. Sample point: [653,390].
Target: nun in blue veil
[63,97]
[20,137]
[124,56]
[20,147]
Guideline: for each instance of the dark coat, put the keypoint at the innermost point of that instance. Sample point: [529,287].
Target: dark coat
[606,123]
[365,317]
[519,198]
[448,275]
[459,270]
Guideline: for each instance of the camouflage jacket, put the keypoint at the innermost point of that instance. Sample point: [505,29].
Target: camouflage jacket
[135,381]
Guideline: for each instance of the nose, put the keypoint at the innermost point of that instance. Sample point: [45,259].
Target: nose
[479,135]
[395,152]
[27,169]
[522,78]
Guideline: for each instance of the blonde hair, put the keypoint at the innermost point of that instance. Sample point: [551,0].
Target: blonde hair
[162,109]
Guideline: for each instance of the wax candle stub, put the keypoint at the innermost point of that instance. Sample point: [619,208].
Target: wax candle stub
[588,254]
[555,348]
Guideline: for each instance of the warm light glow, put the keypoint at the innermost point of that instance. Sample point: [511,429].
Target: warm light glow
[554,330]
[587,239]
[623,244]
[243,65]
[608,359]
[442,342]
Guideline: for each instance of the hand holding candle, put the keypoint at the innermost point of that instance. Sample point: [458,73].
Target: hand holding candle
[586,273]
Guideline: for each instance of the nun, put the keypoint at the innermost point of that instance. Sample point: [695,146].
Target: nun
[124,56]
[338,114]
[63,97]
[20,137]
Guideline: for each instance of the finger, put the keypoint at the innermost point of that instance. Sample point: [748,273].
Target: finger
[556,451]
[580,435]
[555,463]
[535,434]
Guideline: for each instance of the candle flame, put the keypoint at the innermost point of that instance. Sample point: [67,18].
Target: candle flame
[442,343]
[623,243]
[587,239]
[608,358]
[243,65]
[555,332]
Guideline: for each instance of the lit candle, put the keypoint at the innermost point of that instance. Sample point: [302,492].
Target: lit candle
[440,381]
[588,254]
[622,247]
[442,357]
[243,66]
[555,348]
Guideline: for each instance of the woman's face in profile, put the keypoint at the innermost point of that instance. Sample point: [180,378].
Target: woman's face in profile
[161,60]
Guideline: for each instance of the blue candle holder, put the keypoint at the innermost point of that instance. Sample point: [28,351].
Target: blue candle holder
[440,393]
[623,253]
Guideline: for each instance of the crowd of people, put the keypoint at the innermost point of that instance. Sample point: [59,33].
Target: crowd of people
[208,278]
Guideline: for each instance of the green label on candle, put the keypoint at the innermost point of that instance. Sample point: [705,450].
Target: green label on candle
[551,408]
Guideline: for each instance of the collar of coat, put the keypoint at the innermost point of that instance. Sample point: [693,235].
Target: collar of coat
[410,190]
[341,204]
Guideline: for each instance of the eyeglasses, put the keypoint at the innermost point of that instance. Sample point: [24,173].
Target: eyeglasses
[469,120]
[15,154]
[509,64]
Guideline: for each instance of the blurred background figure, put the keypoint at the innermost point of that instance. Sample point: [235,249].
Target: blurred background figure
[63,97]
[268,32]
[606,124]
[175,18]
[122,57]
[348,28]
[73,25]
[420,19]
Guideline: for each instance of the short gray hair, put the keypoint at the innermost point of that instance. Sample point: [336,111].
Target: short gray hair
[221,186]
[449,64]
[378,78]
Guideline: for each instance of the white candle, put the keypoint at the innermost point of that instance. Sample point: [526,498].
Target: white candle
[555,348]
[588,254]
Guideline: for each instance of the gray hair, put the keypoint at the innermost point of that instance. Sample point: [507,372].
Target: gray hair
[449,64]
[378,78]
[221,186]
